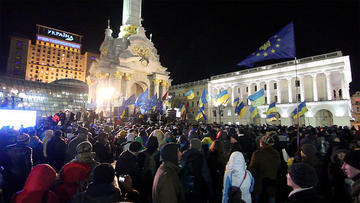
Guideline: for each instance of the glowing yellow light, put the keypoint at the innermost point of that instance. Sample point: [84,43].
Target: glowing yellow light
[104,94]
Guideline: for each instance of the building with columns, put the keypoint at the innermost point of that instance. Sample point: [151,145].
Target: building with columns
[322,81]
[129,63]
[355,100]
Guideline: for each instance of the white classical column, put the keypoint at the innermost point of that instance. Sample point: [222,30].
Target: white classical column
[302,89]
[278,91]
[127,77]
[249,93]
[346,92]
[342,80]
[328,85]
[315,90]
[241,93]
[268,100]
[290,90]
[156,86]
[232,95]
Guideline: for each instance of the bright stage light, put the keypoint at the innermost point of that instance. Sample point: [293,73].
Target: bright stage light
[17,118]
[104,94]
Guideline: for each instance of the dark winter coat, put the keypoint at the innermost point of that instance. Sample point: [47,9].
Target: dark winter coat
[98,193]
[167,186]
[264,166]
[56,150]
[306,196]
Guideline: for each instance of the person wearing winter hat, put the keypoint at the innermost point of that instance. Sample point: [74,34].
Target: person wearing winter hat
[167,186]
[351,165]
[302,179]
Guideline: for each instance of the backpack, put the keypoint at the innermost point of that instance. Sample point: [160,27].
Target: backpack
[235,194]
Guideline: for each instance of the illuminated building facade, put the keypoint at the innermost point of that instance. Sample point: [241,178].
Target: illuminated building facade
[16,93]
[355,100]
[322,81]
[17,60]
[54,55]
[128,63]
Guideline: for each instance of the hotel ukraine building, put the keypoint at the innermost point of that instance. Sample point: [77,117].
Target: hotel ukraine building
[54,57]
[323,82]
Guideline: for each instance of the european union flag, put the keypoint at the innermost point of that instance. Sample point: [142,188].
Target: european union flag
[281,45]
[202,99]
[142,98]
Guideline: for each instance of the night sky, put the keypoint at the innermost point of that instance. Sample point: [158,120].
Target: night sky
[198,39]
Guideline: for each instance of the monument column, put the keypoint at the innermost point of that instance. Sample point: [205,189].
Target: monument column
[126,78]
[290,90]
[268,99]
[328,85]
[315,90]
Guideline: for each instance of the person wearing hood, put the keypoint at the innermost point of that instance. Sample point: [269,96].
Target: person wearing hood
[148,161]
[102,188]
[37,186]
[167,186]
[236,175]
[76,174]
[81,137]
[195,175]
[160,137]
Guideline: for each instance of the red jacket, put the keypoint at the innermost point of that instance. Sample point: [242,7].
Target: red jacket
[40,180]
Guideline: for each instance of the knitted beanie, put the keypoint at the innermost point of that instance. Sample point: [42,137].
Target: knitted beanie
[84,147]
[303,175]
[170,153]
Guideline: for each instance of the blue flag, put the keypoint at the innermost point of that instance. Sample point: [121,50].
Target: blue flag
[281,45]
[202,99]
[142,98]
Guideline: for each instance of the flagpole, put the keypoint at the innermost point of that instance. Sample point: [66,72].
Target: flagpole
[297,108]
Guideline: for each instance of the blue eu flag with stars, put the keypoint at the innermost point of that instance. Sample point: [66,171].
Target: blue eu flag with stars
[281,45]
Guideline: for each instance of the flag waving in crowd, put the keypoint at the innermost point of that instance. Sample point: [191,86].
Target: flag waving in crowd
[258,98]
[222,97]
[300,110]
[254,111]
[272,108]
[190,94]
[241,110]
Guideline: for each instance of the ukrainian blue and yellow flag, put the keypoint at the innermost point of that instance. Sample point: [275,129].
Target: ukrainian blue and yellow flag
[190,94]
[258,98]
[300,110]
[182,109]
[222,97]
[254,111]
[201,114]
[202,99]
[237,104]
[272,108]
[242,110]
[281,45]
[270,117]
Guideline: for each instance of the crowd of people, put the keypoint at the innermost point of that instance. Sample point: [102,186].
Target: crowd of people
[75,159]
